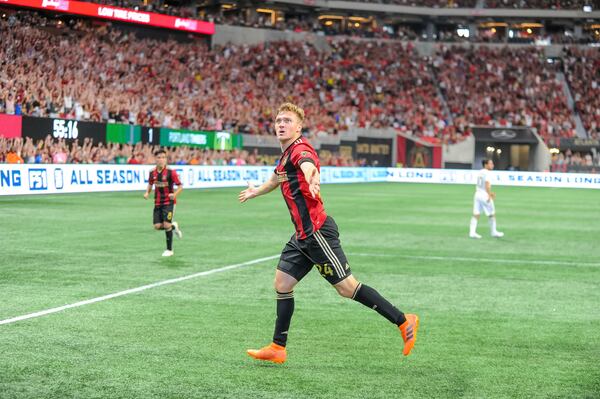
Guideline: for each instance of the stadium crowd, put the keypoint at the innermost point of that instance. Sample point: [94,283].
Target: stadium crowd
[504,87]
[106,74]
[569,161]
[583,72]
[543,4]
[59,151]
[166,8]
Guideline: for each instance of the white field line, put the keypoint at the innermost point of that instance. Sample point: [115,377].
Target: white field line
[487,260]
[137,289]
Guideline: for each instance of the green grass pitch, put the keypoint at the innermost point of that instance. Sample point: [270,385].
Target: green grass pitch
[514,317]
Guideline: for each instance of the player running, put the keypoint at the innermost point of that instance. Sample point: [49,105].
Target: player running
[484,200]
[316,241]
[165,198]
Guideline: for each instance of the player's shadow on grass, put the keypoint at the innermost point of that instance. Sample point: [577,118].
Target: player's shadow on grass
[173,263]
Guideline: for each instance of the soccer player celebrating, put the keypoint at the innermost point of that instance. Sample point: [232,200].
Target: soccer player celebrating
[484,200]
[164,179]
[316,240]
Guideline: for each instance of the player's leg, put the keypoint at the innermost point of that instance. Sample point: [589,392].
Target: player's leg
[176,228]
[293,266]
[491,213]
[167,211]
[408,324]
[157,218]
[284,290]
[333,265]
[475,218]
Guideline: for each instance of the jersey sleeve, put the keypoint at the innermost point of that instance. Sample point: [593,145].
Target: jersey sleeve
[175,178]
[303,153]
[151,178]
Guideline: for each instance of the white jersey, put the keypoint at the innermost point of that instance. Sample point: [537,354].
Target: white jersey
[482,177]
[481,200]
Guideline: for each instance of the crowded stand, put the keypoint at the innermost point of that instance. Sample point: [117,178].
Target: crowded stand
[58,151]
[166,7]
[543,4]
[105,74]
[583,72]
[108,74]
[504,87]
[570,161]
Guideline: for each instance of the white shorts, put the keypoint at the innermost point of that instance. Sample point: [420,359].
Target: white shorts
[481,203]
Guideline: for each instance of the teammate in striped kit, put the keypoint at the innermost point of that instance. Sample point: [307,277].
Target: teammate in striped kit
[316,240]
[164,180]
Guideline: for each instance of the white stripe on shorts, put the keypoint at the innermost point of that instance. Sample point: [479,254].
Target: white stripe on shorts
[330,254]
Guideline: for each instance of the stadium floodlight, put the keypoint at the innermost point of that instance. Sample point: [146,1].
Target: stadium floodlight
[463,32]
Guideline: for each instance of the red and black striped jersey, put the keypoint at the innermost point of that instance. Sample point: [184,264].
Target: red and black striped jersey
[308,213]
[163,185]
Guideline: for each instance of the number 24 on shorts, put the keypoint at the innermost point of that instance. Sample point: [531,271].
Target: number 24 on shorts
[324,269]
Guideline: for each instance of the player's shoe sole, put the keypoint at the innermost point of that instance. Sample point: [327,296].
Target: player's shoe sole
[176,230]
[498,234]
[409,329]
[475,236]
[270,353]
[168,253]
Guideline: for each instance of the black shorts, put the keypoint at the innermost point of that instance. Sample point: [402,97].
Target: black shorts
[163,213]
[322,249]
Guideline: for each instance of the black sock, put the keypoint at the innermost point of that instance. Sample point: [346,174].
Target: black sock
[371,298]
[285,309]
[169,234]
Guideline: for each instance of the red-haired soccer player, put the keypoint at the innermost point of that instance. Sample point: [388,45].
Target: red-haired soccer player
[316,241]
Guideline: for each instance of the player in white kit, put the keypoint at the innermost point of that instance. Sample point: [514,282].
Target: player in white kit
[484,201]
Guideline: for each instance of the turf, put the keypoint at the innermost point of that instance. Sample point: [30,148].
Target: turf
[513,317]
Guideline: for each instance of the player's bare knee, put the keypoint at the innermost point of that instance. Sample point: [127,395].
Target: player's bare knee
[158,226]
[476,217]
[167,226]
[347,287]
[284,282]
[283,286]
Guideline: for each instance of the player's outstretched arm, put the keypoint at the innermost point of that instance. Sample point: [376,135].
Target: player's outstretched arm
[313,178]
[265,188]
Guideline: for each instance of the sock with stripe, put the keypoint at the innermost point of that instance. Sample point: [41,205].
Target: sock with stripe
[492,222]
[169,234]
[372,299]
[473,226]
[285,310]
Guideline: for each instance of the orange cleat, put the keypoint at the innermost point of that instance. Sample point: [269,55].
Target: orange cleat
[271,353]
[408,329]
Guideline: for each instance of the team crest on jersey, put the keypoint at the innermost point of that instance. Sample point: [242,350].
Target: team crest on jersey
[281,177]
[285,159]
